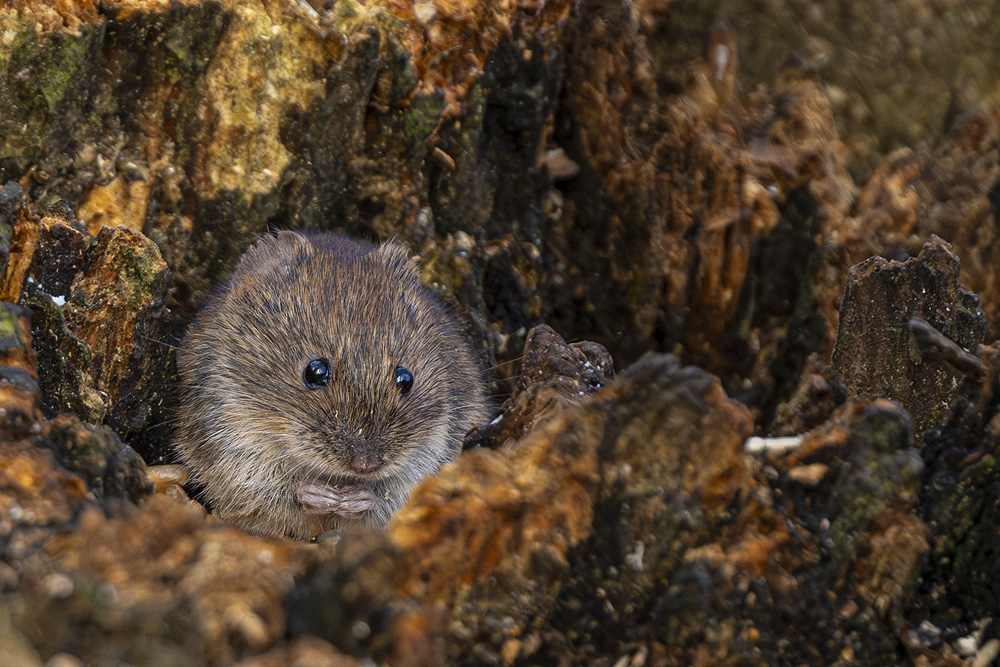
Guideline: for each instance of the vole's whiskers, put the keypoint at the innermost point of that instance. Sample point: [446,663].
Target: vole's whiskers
[509,362]
[159,342]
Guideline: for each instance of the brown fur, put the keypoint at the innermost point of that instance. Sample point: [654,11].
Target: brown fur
[263,444]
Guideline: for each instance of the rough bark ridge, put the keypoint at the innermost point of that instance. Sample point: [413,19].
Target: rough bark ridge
[555,169]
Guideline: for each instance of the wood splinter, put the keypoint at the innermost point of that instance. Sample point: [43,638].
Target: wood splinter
[934,346]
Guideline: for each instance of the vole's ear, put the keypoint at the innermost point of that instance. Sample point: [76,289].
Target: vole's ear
[289,240]
[396,256]
[272,252]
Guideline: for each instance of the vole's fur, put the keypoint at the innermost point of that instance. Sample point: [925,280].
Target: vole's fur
[278,457]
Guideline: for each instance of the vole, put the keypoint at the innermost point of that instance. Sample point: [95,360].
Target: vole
[320,384]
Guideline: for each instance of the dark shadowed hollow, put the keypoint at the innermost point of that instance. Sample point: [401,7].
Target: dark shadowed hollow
[731,269]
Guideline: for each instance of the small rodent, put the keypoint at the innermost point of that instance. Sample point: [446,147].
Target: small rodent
[320,384]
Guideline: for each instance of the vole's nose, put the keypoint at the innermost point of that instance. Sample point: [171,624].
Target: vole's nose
[363,459]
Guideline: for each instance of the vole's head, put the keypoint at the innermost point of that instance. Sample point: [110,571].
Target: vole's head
[325,362]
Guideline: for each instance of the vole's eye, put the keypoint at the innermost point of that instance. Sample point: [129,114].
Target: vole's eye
[404,380]
[317,373]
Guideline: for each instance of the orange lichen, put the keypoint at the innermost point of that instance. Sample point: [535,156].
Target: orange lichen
[22,252]
[451,40]
[57,15]
[118,203]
